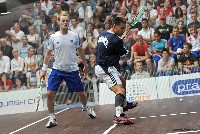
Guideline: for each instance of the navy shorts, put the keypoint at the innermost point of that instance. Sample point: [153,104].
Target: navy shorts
[72,80]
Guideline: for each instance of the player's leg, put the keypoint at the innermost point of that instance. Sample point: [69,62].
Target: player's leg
[112,77]
[127,105]
[54,82]
[75,84]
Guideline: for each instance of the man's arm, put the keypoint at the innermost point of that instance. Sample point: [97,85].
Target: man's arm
[47,58]
[82,56]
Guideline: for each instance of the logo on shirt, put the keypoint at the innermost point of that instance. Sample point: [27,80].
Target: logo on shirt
[104,40]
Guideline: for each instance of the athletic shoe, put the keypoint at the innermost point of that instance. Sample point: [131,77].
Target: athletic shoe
[90,112]
[51,123]
[130,106]
[122,120]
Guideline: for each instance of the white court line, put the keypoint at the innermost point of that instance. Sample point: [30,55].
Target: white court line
[186,132]
[163,115]
[36,122]
[193,112]
[173,114]
[108,130]
[182,113]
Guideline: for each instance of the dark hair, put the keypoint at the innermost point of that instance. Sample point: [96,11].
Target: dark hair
[188,44]
[176,12]
[118,21]
[157,32]
[165,50]
[145,19]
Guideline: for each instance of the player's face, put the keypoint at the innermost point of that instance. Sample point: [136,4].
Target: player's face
[64,22]
[120,29]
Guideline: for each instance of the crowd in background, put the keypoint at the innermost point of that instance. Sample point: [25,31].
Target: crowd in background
[166,41]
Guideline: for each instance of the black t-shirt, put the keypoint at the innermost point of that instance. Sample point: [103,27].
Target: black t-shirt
[187,60]
[165,31]
[109,49]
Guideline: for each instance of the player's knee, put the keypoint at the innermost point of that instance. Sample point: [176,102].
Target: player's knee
[81,93]
[119,100]
[50,93]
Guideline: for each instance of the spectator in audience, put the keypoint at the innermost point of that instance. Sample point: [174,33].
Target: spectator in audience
[37,9]
[89,46]
[72,12]
[17,66]
[32,38]
[194,21]
[175,43]
[59,12]
[187,63]
[4,63]
[195,41]
[100,13]
[24,26]
[180,16]
[28,17]
[43,34]
[53,9]
[53,26]
[182,29]
[146,32]
[23,50]
[116,9]
[91,68]
[16,35]
[33,76]
[5,83]
[7,49]
[64,6]
[18,85]
[165,64]
[46,6]
[77,29]
[139,71]
[156,47]
[140,52]
[30,59]
[164,28]
[45,19]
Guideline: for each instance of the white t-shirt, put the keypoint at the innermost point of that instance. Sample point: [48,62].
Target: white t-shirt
[79,30]
[19,36]
[17,64]
[64,47]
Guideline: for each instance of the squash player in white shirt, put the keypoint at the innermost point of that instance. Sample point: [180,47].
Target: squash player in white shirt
[64,44]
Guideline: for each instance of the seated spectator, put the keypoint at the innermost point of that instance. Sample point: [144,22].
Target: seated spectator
[165,64]
[24,26]
[18,84]
[146,32]
[139,71]
[4,63]
[180,16]
[53,26]
[17,67]
[182,29]
[33,37]
[30,59]
[7,49]
[140,52]
[23,50]
[187,63]
[89,45]
[164,28]
[46,6]
[5,83]
[33,76]
[194,39]
[16,35]
[175,43]
[157,46]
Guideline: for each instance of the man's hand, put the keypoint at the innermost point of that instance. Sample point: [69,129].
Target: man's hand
[42,74]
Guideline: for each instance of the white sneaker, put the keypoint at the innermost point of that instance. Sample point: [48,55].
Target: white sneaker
[90,112]
[51,123]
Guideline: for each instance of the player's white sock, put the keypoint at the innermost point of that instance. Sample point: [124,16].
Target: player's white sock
[119,110]
[53,116]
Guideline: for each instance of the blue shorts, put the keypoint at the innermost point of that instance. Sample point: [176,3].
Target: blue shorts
[72,79]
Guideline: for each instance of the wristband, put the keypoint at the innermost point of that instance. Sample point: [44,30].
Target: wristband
[44,68]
